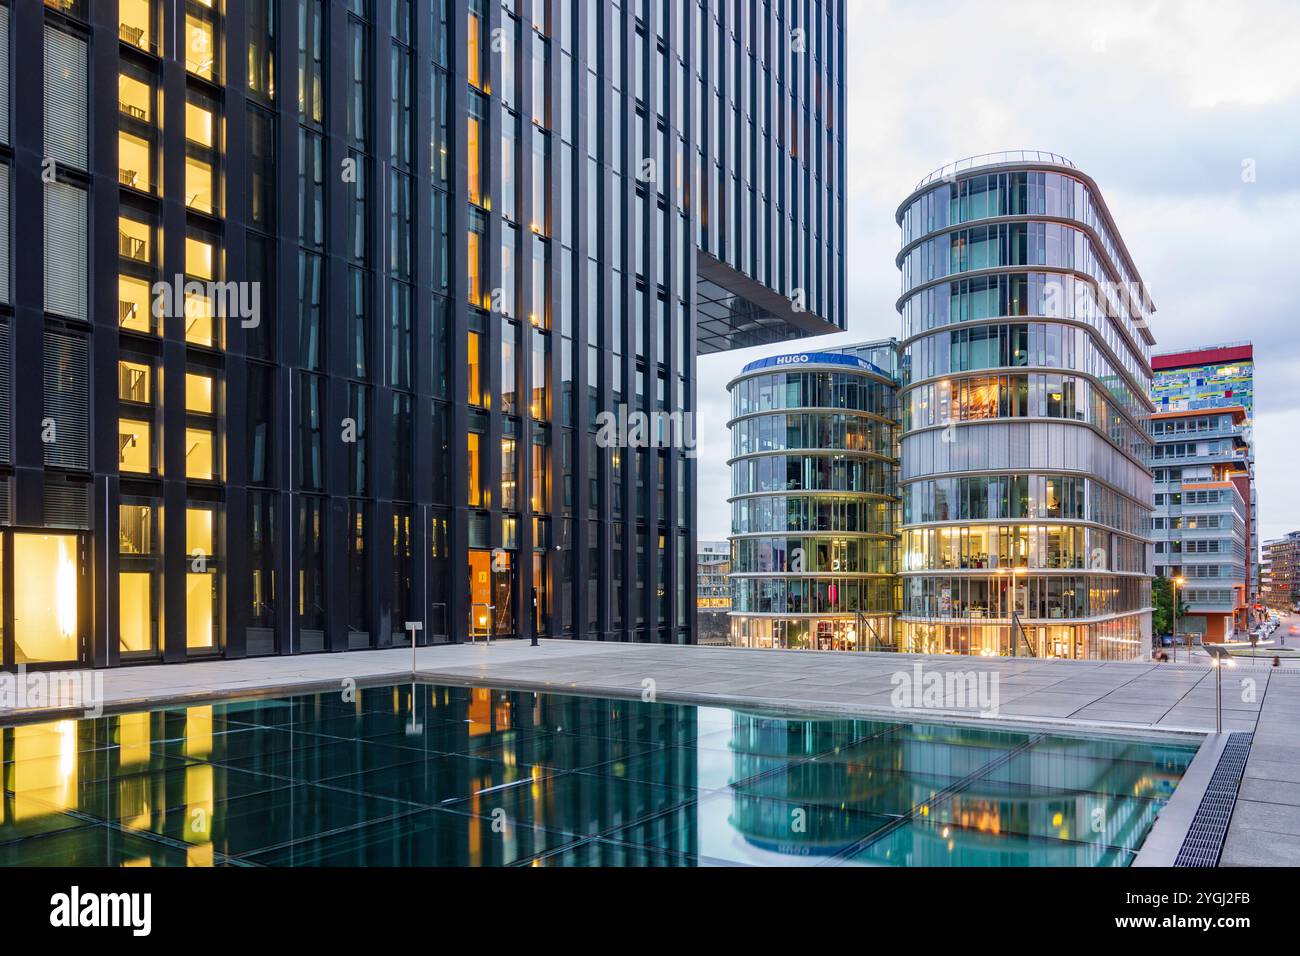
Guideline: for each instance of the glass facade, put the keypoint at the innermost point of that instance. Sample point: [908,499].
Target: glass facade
[1026,484]
[380,266]
[1201,525]
[814,474]
[1212,379]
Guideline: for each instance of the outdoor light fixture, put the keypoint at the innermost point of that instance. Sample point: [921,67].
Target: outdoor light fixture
[1219,659]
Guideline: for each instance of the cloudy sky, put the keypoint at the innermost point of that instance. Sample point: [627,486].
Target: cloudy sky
[1163,103]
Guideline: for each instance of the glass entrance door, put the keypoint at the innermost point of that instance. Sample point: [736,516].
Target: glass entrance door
[48,618]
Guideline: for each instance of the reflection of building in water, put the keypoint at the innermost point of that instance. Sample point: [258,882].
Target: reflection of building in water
[877,792]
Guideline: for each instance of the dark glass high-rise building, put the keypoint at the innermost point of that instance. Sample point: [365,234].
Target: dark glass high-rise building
[312,311]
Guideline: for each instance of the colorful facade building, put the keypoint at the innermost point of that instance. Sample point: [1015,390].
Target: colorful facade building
[1207,379]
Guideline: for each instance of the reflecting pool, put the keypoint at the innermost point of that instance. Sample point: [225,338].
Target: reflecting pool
[455,776]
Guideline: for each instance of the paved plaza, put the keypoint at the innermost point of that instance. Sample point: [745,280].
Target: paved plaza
[1084,695]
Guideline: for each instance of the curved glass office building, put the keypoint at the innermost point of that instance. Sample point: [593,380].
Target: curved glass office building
[814,476]
[1026,367]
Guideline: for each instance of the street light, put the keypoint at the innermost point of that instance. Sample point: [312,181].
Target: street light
[1178,582]
[1219,659]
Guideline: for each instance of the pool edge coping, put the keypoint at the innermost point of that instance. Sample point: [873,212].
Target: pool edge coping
[1165,838]
[788,706]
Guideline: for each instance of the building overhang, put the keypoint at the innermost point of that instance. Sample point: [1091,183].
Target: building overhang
[736,312]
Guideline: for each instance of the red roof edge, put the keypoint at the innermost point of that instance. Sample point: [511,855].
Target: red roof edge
[1235,353]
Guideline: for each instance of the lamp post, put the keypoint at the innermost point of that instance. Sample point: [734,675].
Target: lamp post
[1219,659]
[1177,583]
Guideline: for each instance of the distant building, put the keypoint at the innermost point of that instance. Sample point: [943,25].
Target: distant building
[712,591]
[1210,377]
[1201,524]
[814,466]
[1280,588]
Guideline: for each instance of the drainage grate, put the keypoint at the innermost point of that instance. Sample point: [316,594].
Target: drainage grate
[1204,840]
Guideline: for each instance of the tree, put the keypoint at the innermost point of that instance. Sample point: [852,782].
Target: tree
[1162,604]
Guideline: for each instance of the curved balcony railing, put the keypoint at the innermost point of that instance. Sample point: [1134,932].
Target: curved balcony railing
[952,170]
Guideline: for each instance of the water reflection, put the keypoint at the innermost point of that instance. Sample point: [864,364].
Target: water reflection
[451,776]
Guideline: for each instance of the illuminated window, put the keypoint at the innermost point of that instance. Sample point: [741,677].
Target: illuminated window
[201,580]
[475,363]
[200,453]
[479,293]
[200,527]
[541,484]
[201,610]
[134,162]
[200,328]
[135,22]
[135,447]
[200,190]
[474,62]
[199,125]
[472,143]
[136,615]
[509,475]
[475,471]
[136,529]
[134,240]
[46,598]
[198,393]
[133,308]
[139,578]
[200,258]
[134,98]
[133,382]
[200,47]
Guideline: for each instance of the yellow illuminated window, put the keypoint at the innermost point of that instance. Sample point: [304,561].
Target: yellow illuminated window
[133,304]
[475,382]
[199,125]
[200,453]
[475,486]
[200,329]
[199,191]
[135,22]
[200,609]
[199,525]
[135,451]
[473,65]
[476,289]
[45,599]
[133,382]
[472,142]
[200,47]
[135,622]
[135,529]
[134,240]
[200,258]
[134,98]
[198,393]
[133,162]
